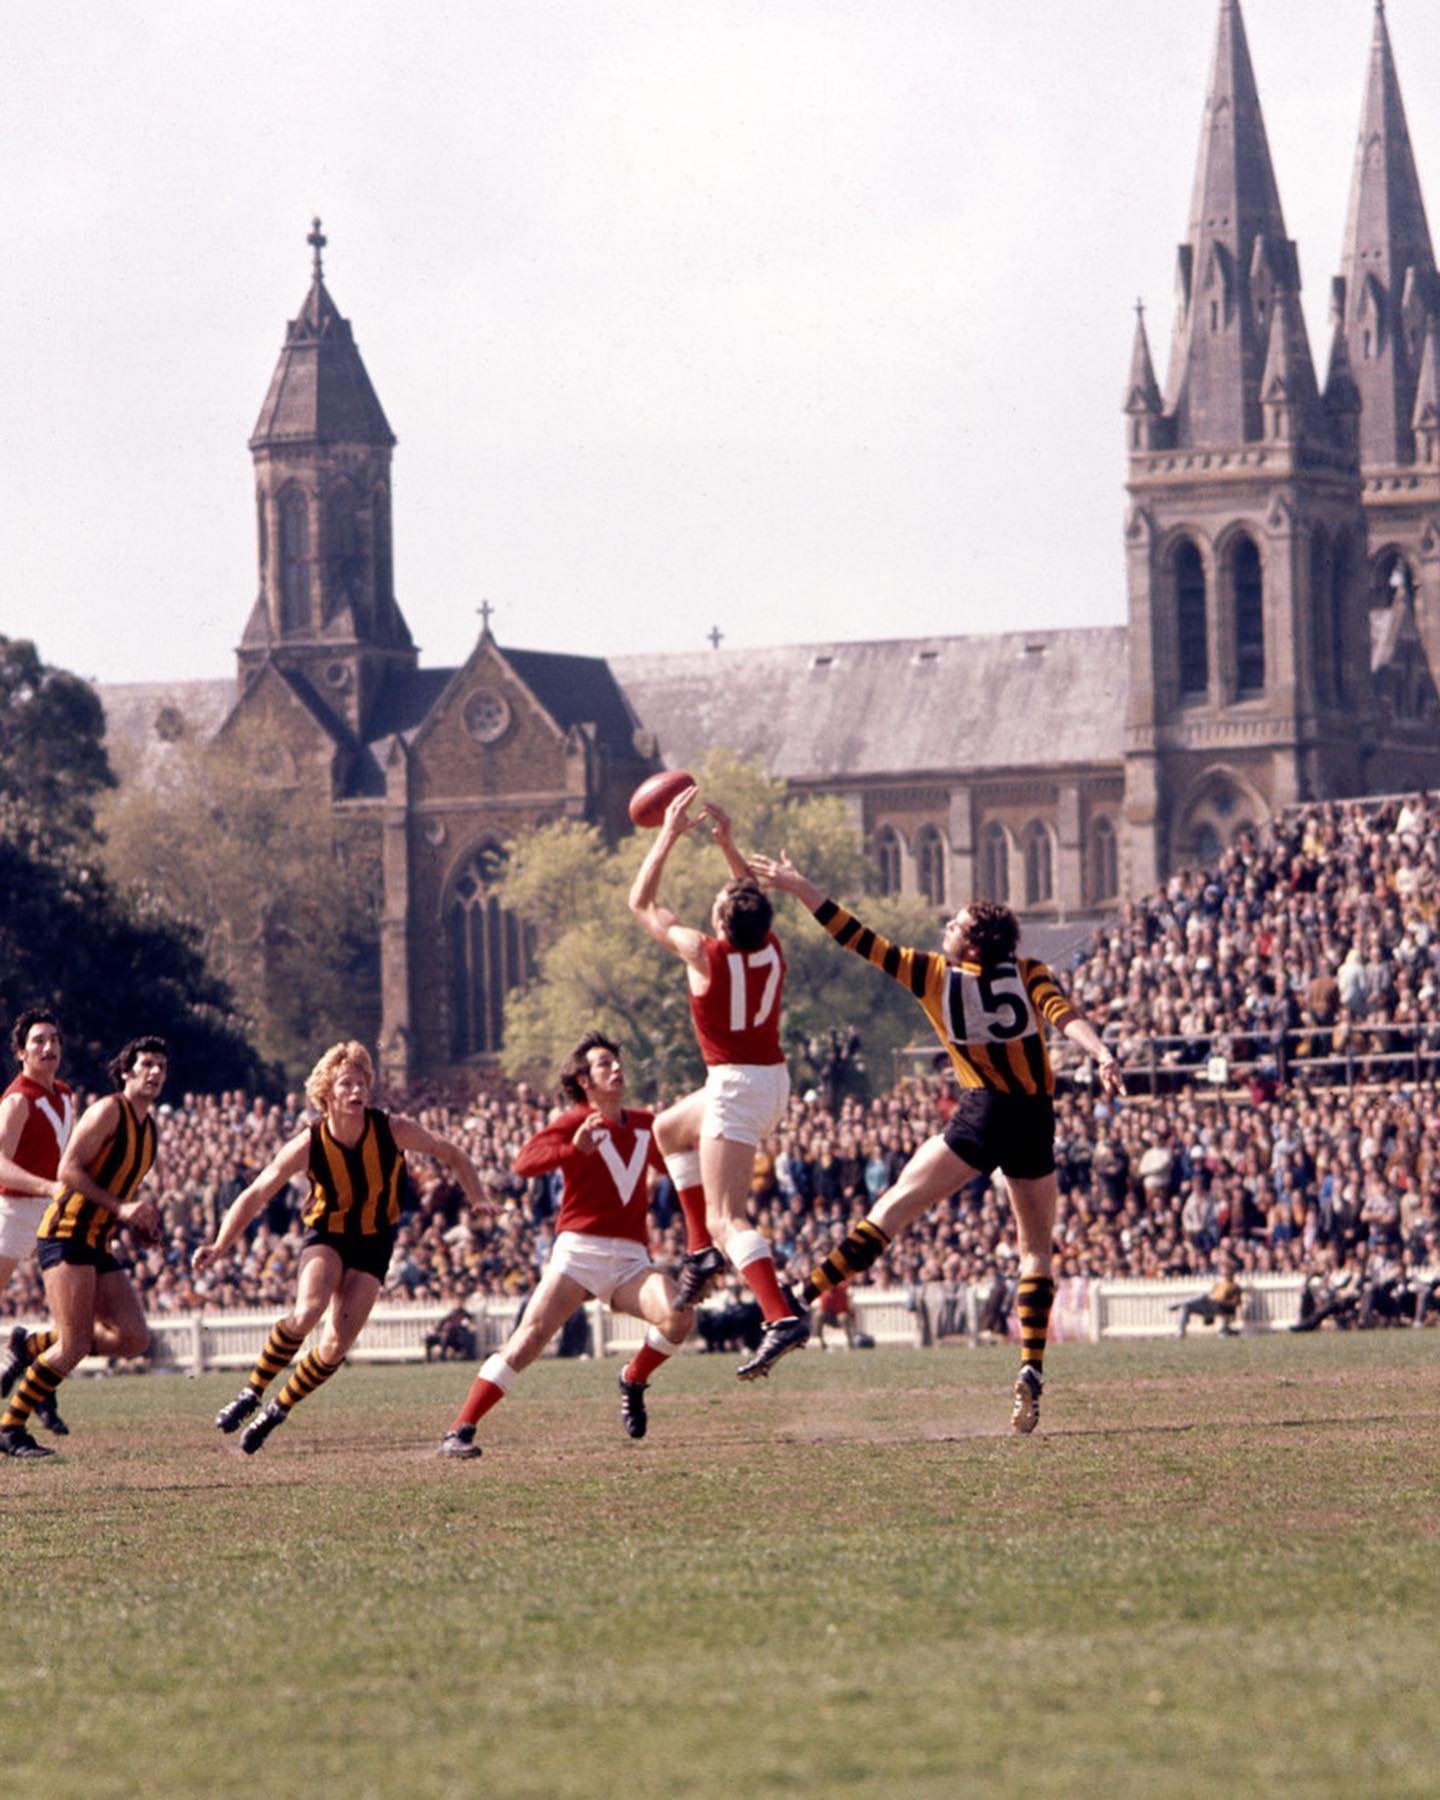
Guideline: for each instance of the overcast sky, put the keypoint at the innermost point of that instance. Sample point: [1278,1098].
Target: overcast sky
[802,318]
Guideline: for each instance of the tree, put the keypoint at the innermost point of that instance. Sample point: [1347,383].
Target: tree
[112,965]
[284,899]
[52,741]
[597,967]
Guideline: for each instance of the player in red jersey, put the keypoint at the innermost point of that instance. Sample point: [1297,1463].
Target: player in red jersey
[37,1115]
[605,1151]
[737,980]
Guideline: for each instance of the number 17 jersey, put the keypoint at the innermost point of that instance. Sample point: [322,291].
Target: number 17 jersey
[991,1021]
[737,1018]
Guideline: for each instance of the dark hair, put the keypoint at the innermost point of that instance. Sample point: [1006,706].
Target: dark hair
[121,1065]
[992,933]
[32,1016]
[744,913]
[577,1063]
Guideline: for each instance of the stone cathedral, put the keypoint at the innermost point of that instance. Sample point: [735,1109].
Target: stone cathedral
[1281,542]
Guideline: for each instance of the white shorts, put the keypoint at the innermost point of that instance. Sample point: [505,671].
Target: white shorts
[20,1216]
[745,1101]
[599,1264]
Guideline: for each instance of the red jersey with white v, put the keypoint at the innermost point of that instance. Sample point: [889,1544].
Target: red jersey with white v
[49,1119]
[737,1018]
[605,1190]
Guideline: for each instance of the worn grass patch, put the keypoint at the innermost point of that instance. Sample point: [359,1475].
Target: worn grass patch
[1213,1569]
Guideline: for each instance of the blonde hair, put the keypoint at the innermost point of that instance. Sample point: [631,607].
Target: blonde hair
[320,1083]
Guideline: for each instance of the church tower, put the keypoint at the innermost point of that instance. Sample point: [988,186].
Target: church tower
[1245,538]
[325,610]
[1387,296]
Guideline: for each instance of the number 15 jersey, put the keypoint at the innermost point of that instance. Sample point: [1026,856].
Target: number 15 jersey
[990,1020]
[737,1018]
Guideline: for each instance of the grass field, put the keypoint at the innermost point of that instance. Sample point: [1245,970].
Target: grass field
[1213,1570]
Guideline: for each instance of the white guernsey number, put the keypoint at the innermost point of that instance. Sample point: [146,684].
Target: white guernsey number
[989,1009]
[766,958]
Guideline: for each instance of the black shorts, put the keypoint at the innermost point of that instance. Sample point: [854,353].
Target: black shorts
[51,1252]
[1013,1132]
[370,1255]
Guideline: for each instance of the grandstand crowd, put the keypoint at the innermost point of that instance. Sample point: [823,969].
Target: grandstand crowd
[1279,1019]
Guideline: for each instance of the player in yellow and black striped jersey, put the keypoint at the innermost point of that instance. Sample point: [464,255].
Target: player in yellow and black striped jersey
[353,1157]
[990,1008]
[88,1292]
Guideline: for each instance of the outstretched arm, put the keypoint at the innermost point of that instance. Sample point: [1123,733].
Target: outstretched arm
[284,1166]
[409,1134]
[725,838]
[662,924]
[913,969]
[1080,1031]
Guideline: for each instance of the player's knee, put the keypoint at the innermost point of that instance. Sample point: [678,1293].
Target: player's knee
[134,1339]
[678,1323]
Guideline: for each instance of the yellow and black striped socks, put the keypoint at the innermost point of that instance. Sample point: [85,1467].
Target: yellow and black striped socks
[278,1354]
[39,1342]
[1033,1300]
[855,1253]
[37,1386]
[310,1372]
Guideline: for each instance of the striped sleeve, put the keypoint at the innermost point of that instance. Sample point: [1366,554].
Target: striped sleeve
[1045,995]
[911,968]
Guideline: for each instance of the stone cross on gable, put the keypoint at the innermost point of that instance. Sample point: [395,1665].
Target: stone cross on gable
[317,241]
[484,609]
[715,636]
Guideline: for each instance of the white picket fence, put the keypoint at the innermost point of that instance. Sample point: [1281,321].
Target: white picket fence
[1085,1311]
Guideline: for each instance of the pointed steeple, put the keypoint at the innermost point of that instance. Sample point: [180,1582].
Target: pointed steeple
[1143,405]
[1235,263]
[320,392]
[1425,420]
[1287,388]
[1387,264]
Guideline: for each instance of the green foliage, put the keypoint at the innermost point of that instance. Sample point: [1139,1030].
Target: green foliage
[113,965]
[598,967]
[283,898]
[52,749]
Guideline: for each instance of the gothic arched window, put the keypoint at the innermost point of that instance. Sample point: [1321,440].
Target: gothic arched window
[1104,860]
[994,863]
[1249,591]
[1039,863]
[930,864]
[489,953]
[294,561]
[1192,630]
[1320,597]
[887,860]
[384,572]
[1339,586]
[344,558]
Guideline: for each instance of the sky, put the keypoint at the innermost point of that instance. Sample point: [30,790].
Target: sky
[802,319]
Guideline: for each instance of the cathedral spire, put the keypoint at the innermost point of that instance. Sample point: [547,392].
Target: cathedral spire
[1387,265]
[1236,263]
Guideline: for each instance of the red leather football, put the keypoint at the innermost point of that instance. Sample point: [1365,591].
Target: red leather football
[654,794]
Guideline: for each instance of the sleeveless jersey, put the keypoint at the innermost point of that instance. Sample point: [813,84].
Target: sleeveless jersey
[605,1192]
[49,1120]
[354,1190]
[119,1167]
[737,1018]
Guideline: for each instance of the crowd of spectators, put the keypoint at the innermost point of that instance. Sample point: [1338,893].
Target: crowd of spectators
[1323,930]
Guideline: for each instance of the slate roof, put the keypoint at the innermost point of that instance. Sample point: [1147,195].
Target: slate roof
[141,719]
[901,707]
[320,391]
